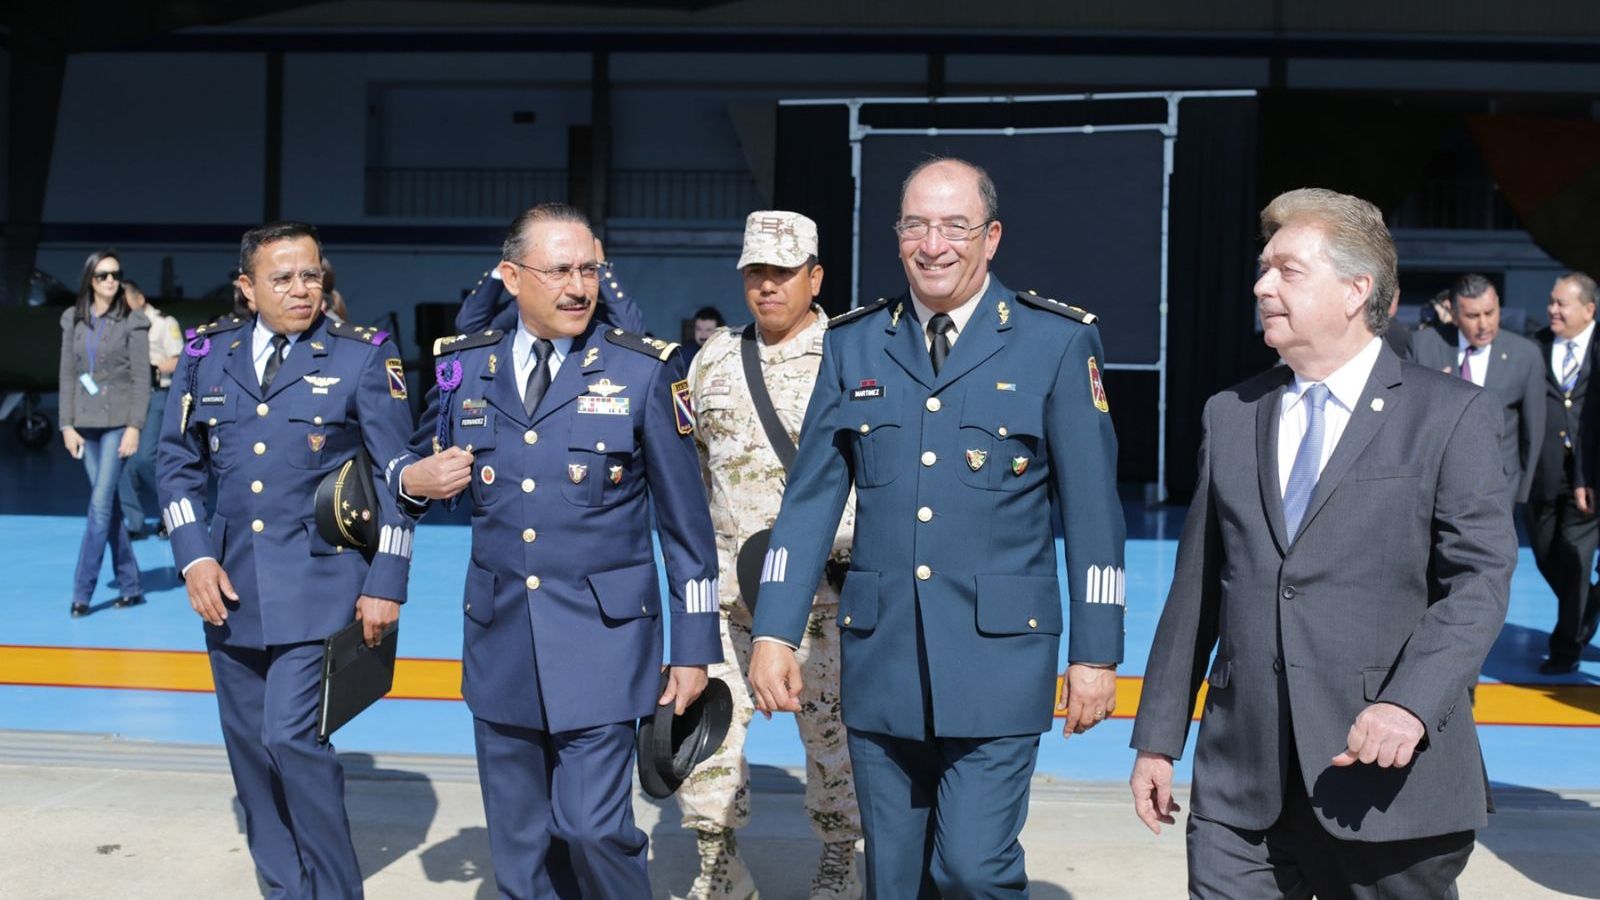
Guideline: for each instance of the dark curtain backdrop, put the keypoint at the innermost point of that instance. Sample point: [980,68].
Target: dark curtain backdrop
[1211,337]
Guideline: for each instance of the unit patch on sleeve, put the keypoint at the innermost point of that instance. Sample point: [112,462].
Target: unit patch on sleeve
[1097,390]
[683,407]
[397,377]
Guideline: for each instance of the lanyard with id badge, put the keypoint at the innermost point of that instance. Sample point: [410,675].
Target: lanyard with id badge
[91,346]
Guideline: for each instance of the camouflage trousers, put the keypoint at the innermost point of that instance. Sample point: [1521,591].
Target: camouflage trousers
[717,794]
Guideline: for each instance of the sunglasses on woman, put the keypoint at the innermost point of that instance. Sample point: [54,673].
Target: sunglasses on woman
[108,275]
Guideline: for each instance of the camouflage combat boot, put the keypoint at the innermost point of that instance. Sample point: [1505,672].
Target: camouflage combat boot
[722,873]
[836,873]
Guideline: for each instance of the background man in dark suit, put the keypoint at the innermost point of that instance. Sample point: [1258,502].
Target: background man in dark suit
[1561,518]
[1505,364]
[1348,553]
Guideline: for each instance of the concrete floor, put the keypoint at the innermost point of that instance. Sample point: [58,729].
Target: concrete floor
[84,816]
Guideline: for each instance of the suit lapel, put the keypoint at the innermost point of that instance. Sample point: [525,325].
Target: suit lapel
[977,342]
[1375,407]
[571,379]
[241,364]
[906,345]
[1267,408]
[501,373]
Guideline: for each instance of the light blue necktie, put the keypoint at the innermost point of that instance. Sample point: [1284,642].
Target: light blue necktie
[1303,475]
[1570,367]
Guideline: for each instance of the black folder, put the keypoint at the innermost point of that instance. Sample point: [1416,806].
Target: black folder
[354,676]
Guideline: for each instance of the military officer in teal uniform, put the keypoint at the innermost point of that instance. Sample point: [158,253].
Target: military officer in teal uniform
[967,417]
[565,437]
[268,405]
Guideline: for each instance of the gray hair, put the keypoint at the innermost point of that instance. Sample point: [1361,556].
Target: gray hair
[1358,241]
[986,191]
[516,243]
[1587,289]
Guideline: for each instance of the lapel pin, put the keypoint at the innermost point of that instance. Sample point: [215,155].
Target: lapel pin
[976,459]
[894,319]
[494,364]
[1377,404]
[576,473]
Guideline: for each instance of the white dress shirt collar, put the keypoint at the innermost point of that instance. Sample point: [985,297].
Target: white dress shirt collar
[1480,358]
[522,354]
[1345,384]
[1344,388]
[960,316]
[261,345]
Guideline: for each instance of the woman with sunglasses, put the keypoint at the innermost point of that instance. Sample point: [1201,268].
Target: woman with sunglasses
[105,389]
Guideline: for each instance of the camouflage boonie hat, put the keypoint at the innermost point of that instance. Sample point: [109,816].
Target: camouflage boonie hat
[778,237]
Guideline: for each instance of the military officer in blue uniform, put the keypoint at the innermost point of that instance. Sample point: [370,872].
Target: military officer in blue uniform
[490,305]
[566,436]
[967,417]
[269,404]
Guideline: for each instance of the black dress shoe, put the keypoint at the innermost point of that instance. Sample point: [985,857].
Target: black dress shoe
[79,610]
[1554,666]
[130,600]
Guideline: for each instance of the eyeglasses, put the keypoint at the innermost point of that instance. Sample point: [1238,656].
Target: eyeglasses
[281,282]
[916,230]
[563,274]
[108,275]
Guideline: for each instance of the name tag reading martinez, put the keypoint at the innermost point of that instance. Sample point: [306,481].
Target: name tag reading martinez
[603,406]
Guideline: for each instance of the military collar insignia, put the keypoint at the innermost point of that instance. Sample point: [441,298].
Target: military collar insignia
[494,364]
[590,356]
[1004,311]
[894,320]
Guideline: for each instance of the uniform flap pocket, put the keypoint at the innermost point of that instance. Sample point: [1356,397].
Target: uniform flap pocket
[627,593]
[865,418]
[599,433]
[1374,680]
[858,601]
[1003,413]
[1378,473]
[478,599]
[319,414]
[212,413]
[1221,670]
[722,401]
[1019,604]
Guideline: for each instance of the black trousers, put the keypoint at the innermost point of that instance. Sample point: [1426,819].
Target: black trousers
[1297,858]
[1564,543]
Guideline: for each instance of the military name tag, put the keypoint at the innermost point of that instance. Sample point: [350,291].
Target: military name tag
[475,421]
[868,389]
[213,399]
[603,406]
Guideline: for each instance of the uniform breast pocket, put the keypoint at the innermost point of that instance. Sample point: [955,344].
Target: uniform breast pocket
[877,441]
[319,436]
[1002,440]
[219,433]
[715,420]
[474,431]
[599,459]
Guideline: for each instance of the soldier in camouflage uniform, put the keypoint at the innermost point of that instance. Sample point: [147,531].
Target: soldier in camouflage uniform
[745,479]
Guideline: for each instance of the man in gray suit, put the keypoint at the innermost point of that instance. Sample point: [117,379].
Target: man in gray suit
[1507,365]
[1348,553]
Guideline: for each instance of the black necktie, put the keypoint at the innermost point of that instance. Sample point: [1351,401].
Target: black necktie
[274,360]
[538,376]
[939,329]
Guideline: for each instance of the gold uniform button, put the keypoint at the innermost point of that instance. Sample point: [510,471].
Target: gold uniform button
[924,573]
[1002,431]
[929,457]
[527,485]
[846,620]
[933,404]
[529,535]
[530,437]
[256,487]
[316,420]
[925,514]
[258,526]
[1033,623]
[262,409]
[260,448]
[533,582]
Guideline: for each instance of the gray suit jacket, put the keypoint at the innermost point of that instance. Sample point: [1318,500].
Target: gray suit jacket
[1516,378]
[1393,591]
[121,372]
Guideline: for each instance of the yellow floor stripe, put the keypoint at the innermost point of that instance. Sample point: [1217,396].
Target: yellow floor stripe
[1575,705]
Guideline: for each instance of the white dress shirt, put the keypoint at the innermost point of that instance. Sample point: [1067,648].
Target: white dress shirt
[1344,392]
[959,316]
[522,356]
[1479,356]
[261,346]
[1558,350]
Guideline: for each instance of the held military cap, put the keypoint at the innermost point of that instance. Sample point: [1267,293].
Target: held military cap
[346,506]
[670,746]
[778,237]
